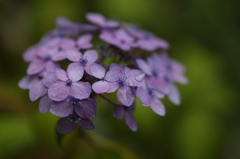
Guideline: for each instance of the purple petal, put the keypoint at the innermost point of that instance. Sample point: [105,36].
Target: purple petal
[173,94]
[62,109]
[59,56]
[67,43]
[37,89]
[52,66]
[58,91]
[130,121]
[158,107]
[30,54]
[44,104]
[144,66]
[134,77]
[75,71]
[108,37]
[86,108]
[81,90]
[65,126]
[73,55]
[86,124]
[35,67]
[115,72]
[101,87]
[24,82]
[118,112]
[113,87]
[95,18]
[97,70]
[91,55]
[84,39]
[49,79]
[125,95]
[61,74]
[144,97]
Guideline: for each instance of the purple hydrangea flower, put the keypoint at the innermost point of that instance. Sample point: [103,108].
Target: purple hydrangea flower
[152,69]
[99,20]
[69,124]
[82,61]
[47,59]
[149,96]
[121,111]
[150,43]
[37,84]
[119,38]
[69,84]
[84,108]
[118,77]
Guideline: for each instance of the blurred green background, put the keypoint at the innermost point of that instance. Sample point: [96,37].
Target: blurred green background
[203,34]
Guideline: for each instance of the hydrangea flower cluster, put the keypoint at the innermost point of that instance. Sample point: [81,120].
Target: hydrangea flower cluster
[129,61]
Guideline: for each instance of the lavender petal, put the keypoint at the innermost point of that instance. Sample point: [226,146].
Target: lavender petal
[80,90]
[58,91]
[101,87]
[173,94]
[125,95]
[115,71]
[97,70]
[35,67]
[144,66]
[73,55]
[37,89]
[118,112]
[158,107]
[61,74]
[91,55]
[75,71]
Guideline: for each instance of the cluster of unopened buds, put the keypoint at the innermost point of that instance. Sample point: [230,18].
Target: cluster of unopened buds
[128,60]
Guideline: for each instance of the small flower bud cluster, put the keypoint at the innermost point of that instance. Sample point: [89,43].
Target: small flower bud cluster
[130,61]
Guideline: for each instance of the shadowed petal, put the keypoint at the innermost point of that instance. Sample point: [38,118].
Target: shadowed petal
[73,55]
[62,109]
[91,55]
[65,126]
[115,71]
[75,71]
[144,97]
[97,70]
[158,107]
[130,121]
[86,108]
[58,91]
[67,43]
[173,94]
[86,124]
[44,104]
[61,74]
[36,67]
[101,87]
[125,95]
[118,112]
[144,66]
[81,90]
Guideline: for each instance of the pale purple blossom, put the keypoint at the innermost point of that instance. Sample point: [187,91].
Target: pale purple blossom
[118,77]
[37,84]
[100,20]
[69,84]
[119,38]
[149,96]
[82,61]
